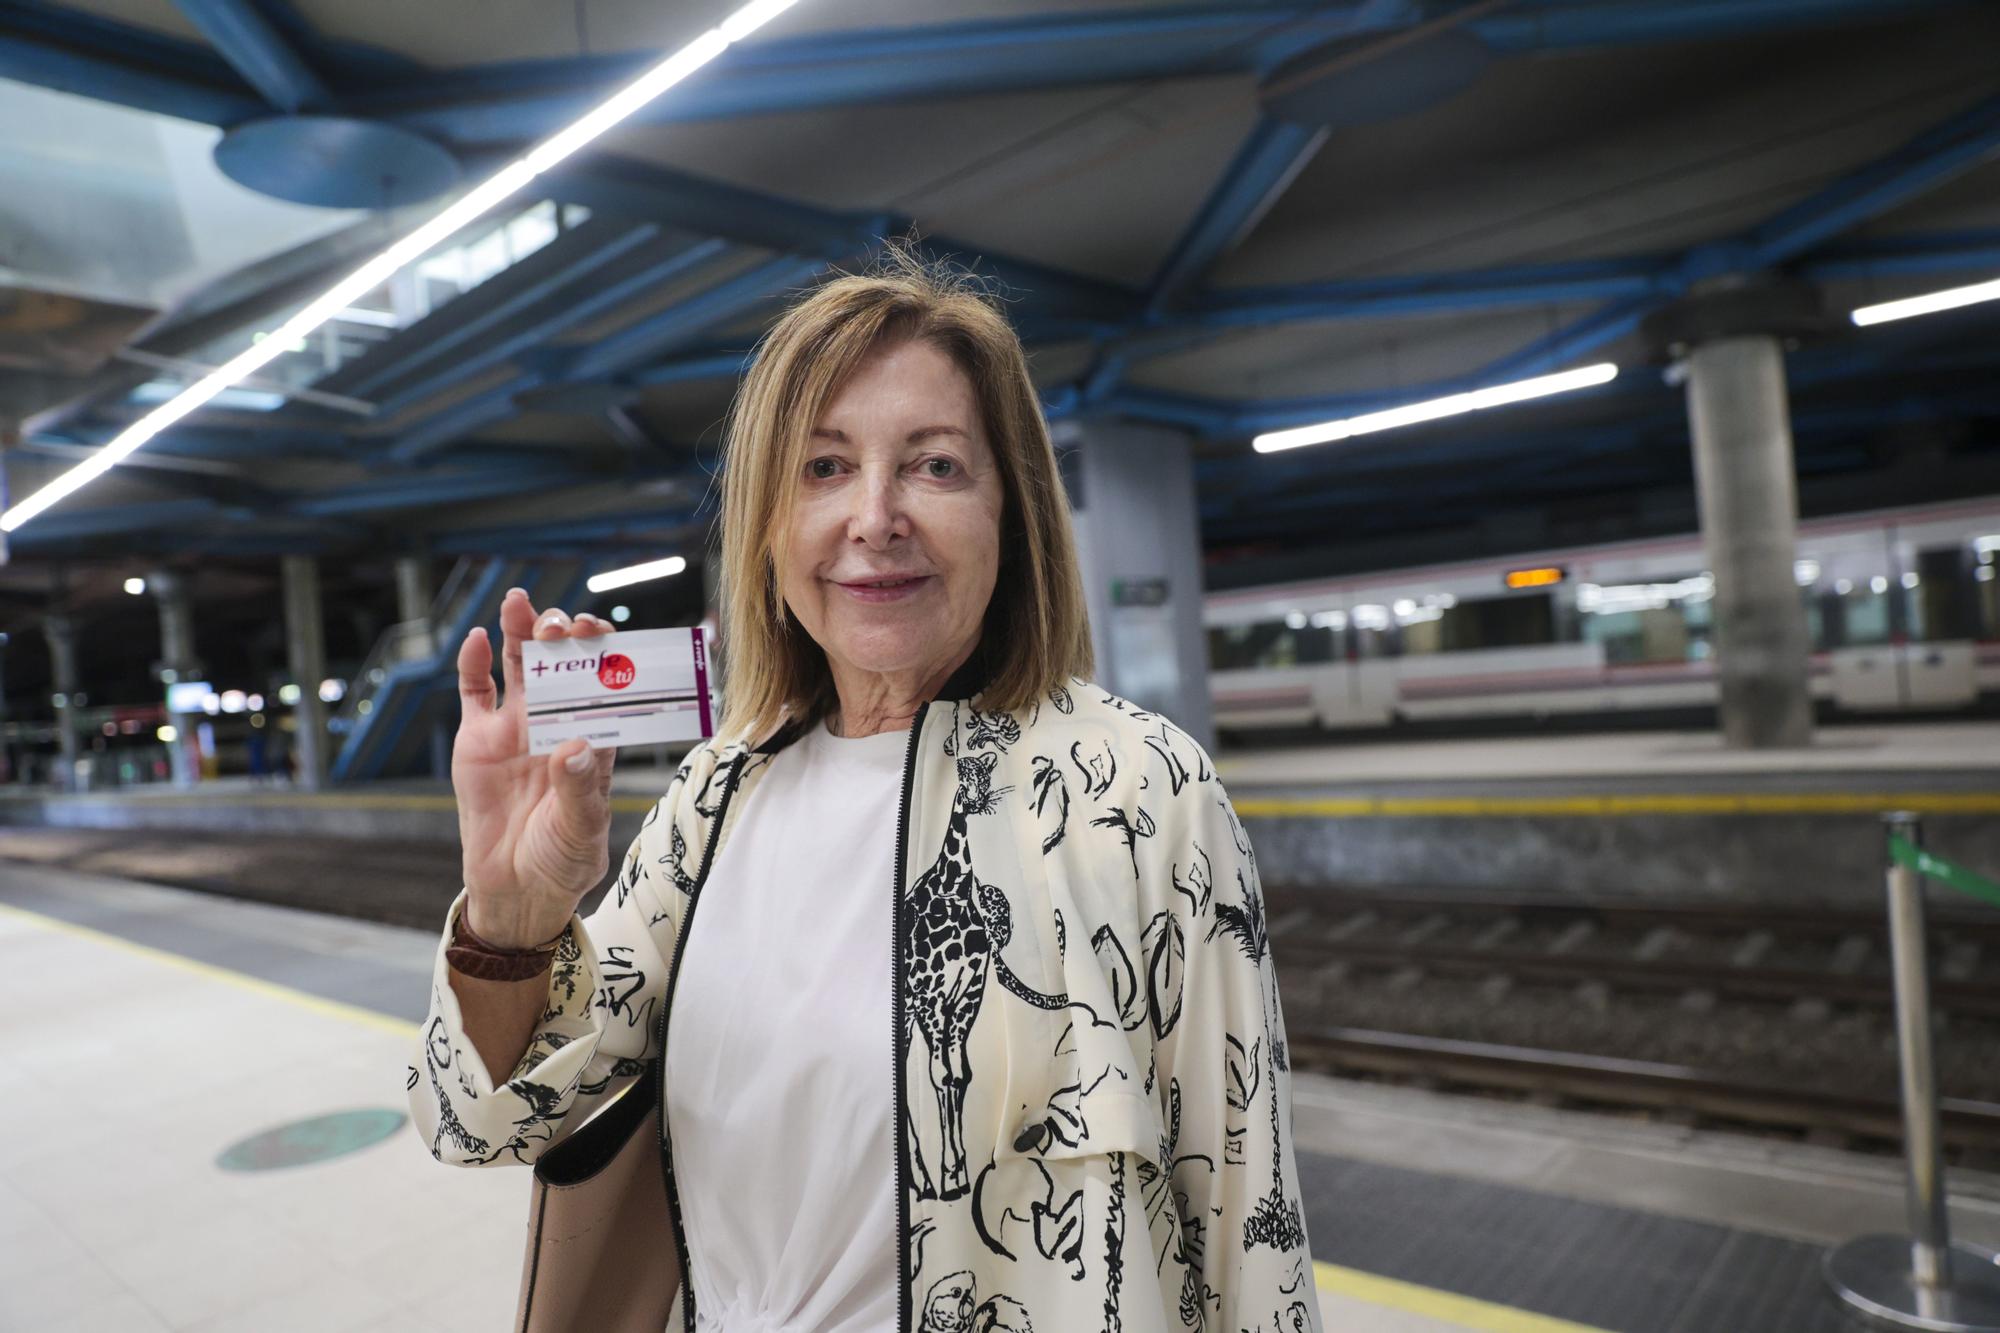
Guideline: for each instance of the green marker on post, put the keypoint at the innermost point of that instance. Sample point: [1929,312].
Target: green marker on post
[1930,864]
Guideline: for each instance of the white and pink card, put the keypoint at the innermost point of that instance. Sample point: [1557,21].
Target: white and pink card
[635,687]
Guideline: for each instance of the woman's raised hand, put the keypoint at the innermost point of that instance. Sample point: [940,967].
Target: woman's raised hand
[534,829]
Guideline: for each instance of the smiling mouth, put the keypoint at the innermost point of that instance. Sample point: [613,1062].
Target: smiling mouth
[886,583]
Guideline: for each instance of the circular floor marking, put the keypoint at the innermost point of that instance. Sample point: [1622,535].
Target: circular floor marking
[315,1140]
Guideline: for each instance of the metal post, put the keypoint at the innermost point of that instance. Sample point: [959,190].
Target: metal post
[305,648]
[1923,1147]
[61,633]
[1921,1280]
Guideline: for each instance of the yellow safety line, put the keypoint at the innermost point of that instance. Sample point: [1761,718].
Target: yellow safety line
[269,989]
[1444,1306]
[1721,803]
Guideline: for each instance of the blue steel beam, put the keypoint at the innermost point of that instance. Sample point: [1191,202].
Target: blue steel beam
[1925,162]
[522,100]
[681,324]
[453,329]
[1930,252]
[593,527]
[649,337]
[436,489]
[507,103]
[1429,293]
[1266,164]
[626,285]
[1523,28]
[126,66]
[706,207]
[752,217]
[255,50]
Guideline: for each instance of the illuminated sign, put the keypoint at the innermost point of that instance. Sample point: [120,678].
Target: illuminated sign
[1533,578]
[187,696]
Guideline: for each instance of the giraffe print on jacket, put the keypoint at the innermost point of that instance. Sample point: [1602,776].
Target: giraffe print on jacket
[948,953]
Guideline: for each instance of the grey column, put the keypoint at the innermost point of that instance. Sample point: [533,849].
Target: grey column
[1138,535]
[177,655]
[61,634]
[305,650]
[413,604]
[1745,484]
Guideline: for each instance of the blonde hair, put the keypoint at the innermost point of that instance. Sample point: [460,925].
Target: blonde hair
[1037,630]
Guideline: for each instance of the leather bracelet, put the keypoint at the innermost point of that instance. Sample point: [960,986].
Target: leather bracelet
[483,960]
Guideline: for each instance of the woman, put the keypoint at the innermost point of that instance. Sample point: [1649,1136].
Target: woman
[978,1029]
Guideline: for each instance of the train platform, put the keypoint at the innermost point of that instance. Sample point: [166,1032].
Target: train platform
[1667,816]
[212,1140]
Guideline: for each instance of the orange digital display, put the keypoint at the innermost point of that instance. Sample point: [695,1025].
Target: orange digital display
[1533,578]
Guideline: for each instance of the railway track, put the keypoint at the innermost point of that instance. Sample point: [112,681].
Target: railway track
[1636,1084]
[1756,1016]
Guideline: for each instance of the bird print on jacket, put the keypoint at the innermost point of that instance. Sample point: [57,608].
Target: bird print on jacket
[1095,1124]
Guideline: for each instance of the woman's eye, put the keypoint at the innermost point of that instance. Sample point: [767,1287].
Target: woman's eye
[822,468]
[940,467]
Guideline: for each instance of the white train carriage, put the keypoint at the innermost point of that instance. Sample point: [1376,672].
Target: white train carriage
[1902,605]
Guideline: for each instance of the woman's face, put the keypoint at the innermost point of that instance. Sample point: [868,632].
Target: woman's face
[900,487]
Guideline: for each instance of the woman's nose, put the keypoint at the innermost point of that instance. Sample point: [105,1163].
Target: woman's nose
[878,514]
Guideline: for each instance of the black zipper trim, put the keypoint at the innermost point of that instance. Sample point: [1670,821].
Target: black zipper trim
[896,1017]
[666,1005]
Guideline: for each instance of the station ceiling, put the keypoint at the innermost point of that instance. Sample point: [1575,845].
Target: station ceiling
[1223,218]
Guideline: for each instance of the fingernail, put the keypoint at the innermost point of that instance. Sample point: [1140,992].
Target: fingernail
[512,591]
[579,762]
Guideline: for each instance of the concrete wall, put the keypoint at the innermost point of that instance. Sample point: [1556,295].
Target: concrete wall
[1770,859]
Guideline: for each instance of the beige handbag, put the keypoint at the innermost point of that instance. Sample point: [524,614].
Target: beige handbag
[601,1253]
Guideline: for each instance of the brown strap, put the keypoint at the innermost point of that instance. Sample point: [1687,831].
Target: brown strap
[472,956]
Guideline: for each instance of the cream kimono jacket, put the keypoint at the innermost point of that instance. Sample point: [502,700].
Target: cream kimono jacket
[1088,1050]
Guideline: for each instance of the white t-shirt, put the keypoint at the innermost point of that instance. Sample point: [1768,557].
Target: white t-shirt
[780,1054]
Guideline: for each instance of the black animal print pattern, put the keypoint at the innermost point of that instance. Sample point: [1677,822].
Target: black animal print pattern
[947,951]
[1162,1130]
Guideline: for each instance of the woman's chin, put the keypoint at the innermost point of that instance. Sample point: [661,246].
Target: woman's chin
[886,651]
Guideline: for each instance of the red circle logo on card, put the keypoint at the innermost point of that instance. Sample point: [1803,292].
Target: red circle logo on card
[616,671]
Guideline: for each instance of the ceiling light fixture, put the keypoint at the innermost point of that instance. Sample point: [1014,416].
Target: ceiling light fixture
[619,578]
[1949,299]
[503,184]
[1495,396]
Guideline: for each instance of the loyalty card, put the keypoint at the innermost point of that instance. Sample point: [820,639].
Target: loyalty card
[635,687]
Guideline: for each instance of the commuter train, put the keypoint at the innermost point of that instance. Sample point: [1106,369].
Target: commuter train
[1902,607]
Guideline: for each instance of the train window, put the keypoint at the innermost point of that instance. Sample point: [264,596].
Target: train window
[1498,622]
[1270,643]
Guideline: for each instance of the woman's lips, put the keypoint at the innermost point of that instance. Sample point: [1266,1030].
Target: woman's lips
[878,590]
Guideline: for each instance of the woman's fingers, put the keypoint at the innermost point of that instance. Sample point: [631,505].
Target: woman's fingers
[588,626]
[475,673]
[517,622]
[552,624]
[576,772]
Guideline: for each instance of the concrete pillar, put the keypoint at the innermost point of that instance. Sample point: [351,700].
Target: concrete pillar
[61,633]
[177,654]
[1748,497]
[413,605]
[305,650]
[1139,539]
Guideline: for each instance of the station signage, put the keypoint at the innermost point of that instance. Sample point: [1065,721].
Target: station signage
[1546,576]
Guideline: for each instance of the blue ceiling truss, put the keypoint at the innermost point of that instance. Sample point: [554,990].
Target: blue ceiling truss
[469,364]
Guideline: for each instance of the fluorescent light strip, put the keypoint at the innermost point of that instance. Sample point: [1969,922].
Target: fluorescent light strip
[508,181]
[1495,396]
[619,578]
[1949,299]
